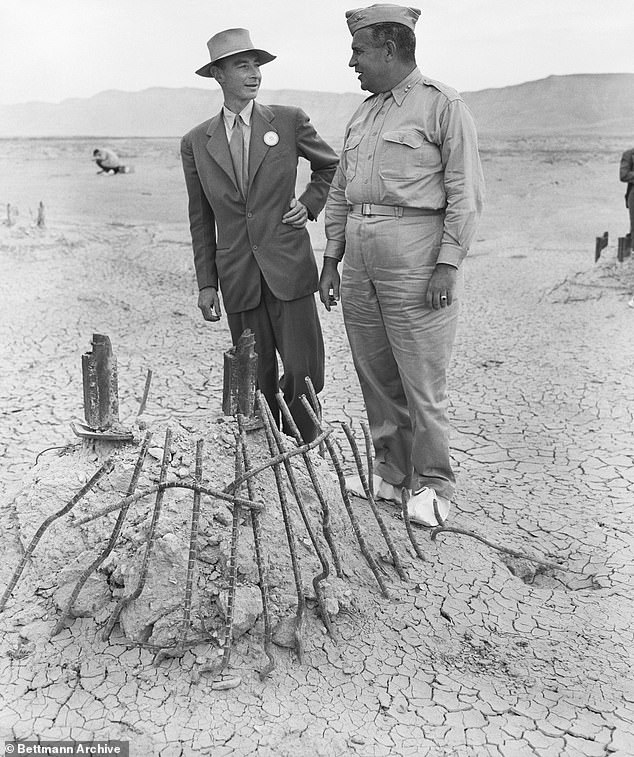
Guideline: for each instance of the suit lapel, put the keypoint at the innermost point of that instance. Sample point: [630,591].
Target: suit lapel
[261,123]
[218,147]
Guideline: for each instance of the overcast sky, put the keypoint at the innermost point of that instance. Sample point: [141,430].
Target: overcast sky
[51,50]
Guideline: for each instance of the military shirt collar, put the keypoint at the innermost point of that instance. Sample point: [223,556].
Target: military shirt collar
[401,90]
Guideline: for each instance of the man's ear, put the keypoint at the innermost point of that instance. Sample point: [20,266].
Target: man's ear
[390,49]
[216,72]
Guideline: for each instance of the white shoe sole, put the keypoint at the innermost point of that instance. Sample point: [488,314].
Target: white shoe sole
[381,489]
[420,508]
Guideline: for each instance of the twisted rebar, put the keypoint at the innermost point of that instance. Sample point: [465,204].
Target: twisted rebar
[181,644]
[116,531]
[408,524]
[290,535]
[146,391]
[105,468]
[275,460]
[368,453]
[126,600]
[368,493]
[325,567]
[223,494]
[260,559]
[310,467]
[212,492]
[346,500]
[507,550]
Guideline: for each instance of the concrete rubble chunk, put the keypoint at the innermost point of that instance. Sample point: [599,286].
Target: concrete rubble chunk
[247,608]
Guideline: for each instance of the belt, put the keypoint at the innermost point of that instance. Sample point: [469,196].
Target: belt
[369,209]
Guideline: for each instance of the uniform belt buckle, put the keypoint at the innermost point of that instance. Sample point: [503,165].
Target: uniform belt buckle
[366,209]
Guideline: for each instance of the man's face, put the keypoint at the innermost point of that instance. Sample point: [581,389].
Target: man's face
[239,76]
[369,62]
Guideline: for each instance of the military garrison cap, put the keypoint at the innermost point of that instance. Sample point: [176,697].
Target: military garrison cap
[382,13]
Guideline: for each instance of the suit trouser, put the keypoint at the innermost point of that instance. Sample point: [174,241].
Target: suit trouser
[401,348]
[291,328]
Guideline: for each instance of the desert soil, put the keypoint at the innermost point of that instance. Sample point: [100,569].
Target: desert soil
[476,653]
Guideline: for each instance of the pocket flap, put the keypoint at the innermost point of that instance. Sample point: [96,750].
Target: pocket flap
[409,138]
[353,141]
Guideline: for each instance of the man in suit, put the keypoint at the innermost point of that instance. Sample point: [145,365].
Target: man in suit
[249,230]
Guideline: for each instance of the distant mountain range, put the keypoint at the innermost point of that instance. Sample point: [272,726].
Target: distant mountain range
[579,103]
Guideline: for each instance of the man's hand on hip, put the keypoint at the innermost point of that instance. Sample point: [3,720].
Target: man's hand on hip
[209,304]
[297,216]
[442,286]
[329,283]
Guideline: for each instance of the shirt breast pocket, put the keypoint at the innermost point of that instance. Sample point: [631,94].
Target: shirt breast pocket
[351,155]
[407,155]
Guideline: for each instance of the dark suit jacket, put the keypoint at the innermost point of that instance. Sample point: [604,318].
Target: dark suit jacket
[235,242]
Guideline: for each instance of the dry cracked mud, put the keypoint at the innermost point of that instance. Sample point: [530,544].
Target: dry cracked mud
[476,652]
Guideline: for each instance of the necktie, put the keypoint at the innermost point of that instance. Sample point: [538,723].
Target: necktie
[238,154]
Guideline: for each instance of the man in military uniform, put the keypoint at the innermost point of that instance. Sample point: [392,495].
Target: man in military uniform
[626,174]
[403,207]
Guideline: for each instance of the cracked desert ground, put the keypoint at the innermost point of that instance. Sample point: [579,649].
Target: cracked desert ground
[475,654]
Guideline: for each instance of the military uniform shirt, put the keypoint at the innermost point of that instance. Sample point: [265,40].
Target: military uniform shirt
[415,146]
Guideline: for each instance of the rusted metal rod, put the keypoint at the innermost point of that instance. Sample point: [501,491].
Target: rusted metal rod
[310,467]
[105,468]
[126,600]
[233,569]
[217,667]
[212,492]
[260,558]
[193,543]
[368,453]
[325,567]
[290,535]
[116,531]
[223,494]
[408,524]
[316,405]
[507,550]
[181,644]
[146,391]
[375,510]
[277,459]
[346,501]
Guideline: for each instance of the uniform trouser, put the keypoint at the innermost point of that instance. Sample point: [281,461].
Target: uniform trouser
[630,206]
[400,347]
[291,328]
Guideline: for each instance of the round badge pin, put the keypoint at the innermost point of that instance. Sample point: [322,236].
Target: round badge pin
[271,138]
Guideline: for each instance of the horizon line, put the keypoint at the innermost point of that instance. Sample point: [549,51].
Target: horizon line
[296,89]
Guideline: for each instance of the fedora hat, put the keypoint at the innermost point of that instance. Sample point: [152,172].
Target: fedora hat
[229,42]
